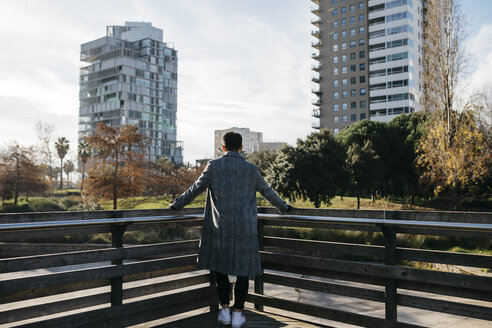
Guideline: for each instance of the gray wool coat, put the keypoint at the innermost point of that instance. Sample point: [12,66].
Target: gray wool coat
[229,241]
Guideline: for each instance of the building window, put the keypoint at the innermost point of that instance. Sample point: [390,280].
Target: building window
[353,92]
[362,42]
[344,118]
[336,107]
[352,19]
[334,12]
[344,82]
[361,17]
[335,95]
[344,33]
[343,22]
[335,47]
[344,69]
[362,67]
[334,24]
[352,32]
[344,106]
[344,94]
[344,58]
[362,91]
[361,5]
[335,131]
[335,59]
[352,44]
[335,119]
[362,79]
[334,2]
[335,35]
[343,10]
[335,71]
[362,116]
[353,105]
[362,30]
[353,80]
[353,117]
[362,104]
[362,54]
[352,8]
[352,68]
[335,83]
[344,45]
[352,55]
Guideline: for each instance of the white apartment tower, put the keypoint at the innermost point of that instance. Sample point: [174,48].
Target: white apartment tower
[369,59]
[131,78]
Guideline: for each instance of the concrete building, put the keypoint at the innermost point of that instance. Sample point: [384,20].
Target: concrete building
[131,78]
[368,60]
[252,141]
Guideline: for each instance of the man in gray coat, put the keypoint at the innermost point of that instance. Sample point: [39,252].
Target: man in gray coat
[229,242]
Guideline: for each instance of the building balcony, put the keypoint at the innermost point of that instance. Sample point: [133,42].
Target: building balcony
[316,113]
[316,102]
[316,79]
[316,22]
[317,91]
[316,45]
[315,1]
[316,56]
[316,33]
[316,125]
[316,68]
[315,10]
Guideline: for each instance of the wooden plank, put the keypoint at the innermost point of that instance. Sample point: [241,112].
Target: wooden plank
[165,286]
[326,313]
[80,257]
[431,256]
[390,285]
[128,313]
[325,287]
[158,273]
[44,309]
[442,232]
[461,309]
[327,248]
[52,279]
[49,291]
[445,290]
[319,225]
[382,271]
[51,233]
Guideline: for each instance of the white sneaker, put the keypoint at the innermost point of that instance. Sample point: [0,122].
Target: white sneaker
[238,319]
[225,316]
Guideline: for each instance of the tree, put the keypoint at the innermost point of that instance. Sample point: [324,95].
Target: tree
[62,145]
[44,132]
[263,159]
[118,167]
[19,173]
[68,167]
[454,160]
[84,153]
[362,162]
[314,169]
[444,59]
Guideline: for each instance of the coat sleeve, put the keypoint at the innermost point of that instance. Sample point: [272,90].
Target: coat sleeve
[266,191]
[202,183]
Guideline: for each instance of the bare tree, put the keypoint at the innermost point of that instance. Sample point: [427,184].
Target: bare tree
[444,55]
[44,132]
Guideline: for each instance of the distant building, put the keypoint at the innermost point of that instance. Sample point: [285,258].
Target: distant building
[131,78]
[252,141]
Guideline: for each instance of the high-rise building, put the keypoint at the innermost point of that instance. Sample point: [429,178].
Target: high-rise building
[369,59]
[251,140]
[131,78]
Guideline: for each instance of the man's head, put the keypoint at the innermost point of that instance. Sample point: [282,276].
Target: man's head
[232,142]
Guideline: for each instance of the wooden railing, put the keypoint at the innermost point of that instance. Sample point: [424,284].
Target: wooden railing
[125,285]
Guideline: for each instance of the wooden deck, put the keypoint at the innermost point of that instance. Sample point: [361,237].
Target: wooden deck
[255,319]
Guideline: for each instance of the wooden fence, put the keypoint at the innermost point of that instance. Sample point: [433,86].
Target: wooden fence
[126,285]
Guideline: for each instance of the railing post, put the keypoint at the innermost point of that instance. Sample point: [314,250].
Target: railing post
[389,234]
[117,232]
[259,288]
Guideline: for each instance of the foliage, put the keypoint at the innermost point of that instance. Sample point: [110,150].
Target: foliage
[62,145]
[68,167]
[263,159]
[117,168]
[84,153]
[314,169]
[19,173]
[455,159]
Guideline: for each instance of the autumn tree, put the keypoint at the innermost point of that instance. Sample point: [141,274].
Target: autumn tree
[19,173]
[44,131]
[84,153]
[117,168]
[62,145]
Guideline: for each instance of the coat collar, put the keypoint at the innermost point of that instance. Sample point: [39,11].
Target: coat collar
[234,153]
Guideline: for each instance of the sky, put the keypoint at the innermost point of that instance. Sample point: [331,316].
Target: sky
[241,63]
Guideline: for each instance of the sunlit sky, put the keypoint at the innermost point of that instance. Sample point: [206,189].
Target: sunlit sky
[241,63]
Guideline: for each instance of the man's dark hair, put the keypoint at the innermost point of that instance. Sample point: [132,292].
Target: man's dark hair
[232,141]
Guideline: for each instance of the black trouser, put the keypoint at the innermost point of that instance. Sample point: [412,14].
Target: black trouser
[240,290]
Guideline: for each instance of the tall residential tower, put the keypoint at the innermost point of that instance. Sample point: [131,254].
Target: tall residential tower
[131,78]
[368,60]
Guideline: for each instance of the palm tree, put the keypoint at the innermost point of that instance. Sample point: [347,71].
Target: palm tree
[62,145]
[68,167]
[84,153]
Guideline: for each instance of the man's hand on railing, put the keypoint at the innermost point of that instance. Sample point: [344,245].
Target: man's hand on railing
[172,208]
